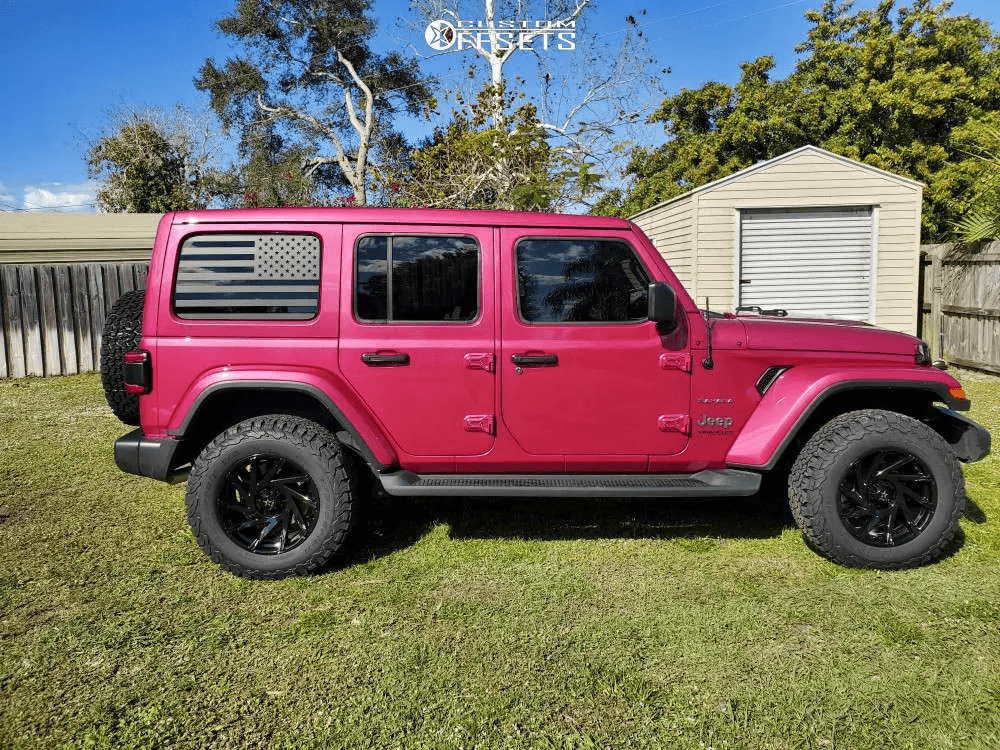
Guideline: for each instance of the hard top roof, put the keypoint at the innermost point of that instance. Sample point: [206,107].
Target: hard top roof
[435,216]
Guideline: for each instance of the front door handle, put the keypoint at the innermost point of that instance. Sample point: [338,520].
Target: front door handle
[535,360]
[382,359]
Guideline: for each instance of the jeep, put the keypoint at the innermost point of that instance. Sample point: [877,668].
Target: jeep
[280,359]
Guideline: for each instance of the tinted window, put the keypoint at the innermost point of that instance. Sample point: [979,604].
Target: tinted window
[372,281]
[433,279]
[248,276]
[580,281]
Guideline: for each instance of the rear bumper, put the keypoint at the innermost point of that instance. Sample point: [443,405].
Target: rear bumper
[137,454]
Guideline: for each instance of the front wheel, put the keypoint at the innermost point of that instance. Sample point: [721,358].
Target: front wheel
[877,489]
[271,497]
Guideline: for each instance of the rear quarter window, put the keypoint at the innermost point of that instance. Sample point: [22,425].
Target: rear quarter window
[248,277]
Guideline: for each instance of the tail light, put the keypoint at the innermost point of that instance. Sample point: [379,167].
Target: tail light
[138,372]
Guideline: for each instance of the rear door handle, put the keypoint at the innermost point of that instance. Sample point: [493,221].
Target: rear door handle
[535,360]
[381,359]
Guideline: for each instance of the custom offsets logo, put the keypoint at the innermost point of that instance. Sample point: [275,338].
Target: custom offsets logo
[535,35]
[440,35]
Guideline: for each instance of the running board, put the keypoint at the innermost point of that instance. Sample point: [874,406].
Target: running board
[720,483]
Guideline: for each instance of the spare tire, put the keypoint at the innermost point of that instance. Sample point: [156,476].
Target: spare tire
[122,331]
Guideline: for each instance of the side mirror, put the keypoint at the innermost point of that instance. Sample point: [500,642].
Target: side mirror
[662,303]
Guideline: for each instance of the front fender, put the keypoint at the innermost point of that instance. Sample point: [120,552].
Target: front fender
[799,391]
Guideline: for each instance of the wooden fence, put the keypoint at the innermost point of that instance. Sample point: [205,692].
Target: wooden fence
[52,315]
[960,305]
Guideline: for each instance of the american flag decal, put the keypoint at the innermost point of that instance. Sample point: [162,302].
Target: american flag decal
[248,276]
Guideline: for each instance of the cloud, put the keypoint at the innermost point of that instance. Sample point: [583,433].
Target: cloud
[60,198]
[6,198]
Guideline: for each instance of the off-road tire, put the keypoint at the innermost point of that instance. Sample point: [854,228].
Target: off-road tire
[306,446]
[828,459]
[122,331]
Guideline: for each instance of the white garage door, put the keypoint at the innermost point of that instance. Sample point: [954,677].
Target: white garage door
[815,262]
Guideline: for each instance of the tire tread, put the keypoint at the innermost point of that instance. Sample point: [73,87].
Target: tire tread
[121,334]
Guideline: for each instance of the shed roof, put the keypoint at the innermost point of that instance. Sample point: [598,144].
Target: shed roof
[763,165]
[76,238]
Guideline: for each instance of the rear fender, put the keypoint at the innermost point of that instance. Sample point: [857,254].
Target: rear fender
[797,393]
[365,433]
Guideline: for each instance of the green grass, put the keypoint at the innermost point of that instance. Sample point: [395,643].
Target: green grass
[472,624]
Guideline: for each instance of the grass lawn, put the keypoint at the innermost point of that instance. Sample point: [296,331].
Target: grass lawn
[473,623]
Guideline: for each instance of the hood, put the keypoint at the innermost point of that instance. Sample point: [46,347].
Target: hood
[811,335]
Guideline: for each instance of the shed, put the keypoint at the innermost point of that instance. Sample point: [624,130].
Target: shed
[811,232]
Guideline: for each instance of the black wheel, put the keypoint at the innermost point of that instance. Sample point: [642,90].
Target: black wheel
[271,497]
[122,331]
[877,489]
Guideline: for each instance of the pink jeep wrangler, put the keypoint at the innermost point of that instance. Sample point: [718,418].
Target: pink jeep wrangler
[285,352]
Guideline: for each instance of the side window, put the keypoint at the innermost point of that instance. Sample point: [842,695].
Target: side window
[580,280]
[248,277]
[416,279]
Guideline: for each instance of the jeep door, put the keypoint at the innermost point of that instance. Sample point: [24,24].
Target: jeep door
[417,338]
[583,371]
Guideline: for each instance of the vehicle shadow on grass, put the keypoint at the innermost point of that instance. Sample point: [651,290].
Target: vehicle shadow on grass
[391,524]
[973,512]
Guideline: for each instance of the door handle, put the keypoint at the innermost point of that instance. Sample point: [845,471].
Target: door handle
[381,359]
[535,360]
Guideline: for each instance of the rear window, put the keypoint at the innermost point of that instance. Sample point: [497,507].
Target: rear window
[248,277]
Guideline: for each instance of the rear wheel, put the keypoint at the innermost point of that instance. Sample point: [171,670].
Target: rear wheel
[877,489]
[121,334]
[271,497]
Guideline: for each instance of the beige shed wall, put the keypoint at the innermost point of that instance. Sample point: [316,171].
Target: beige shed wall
[671,229]
[697,234]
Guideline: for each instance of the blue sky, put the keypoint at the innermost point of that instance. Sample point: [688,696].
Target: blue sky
[65,65]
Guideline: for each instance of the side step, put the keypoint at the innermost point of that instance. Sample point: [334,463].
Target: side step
[718,483]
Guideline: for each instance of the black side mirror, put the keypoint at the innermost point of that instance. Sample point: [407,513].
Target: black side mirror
[662,303]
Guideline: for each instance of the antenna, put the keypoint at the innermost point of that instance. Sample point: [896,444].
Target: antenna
[708,363]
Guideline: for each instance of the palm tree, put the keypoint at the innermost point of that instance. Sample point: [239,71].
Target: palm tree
[983,222]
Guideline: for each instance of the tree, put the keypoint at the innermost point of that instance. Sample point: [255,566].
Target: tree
[982,221]
[311,77]
[472,163]
[154,161]
[895,94]
[586,108]
[270,174]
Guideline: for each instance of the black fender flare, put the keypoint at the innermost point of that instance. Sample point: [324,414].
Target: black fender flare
[348,434]
[970,440]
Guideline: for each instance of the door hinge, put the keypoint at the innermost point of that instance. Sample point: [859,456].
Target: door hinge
[478,361]
[481,423]
[675,423]
[680,362]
